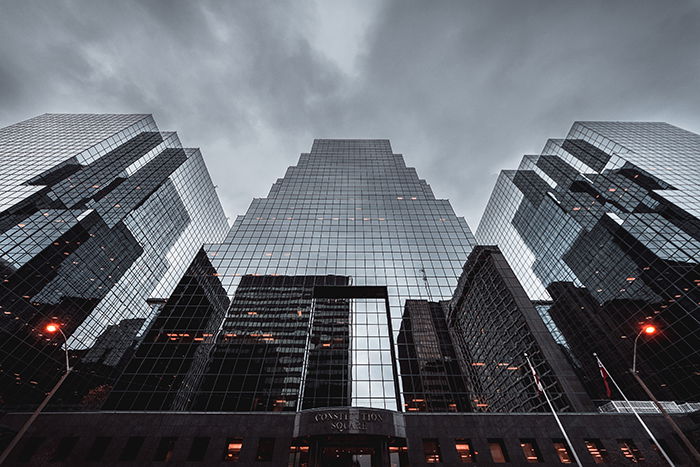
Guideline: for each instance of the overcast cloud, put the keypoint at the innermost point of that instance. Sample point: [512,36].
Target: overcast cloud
[462,89]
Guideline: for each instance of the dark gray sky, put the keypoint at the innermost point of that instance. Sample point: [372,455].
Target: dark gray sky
[462,89]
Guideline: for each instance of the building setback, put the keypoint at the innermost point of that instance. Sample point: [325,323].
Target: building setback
[601,229]
[97,214]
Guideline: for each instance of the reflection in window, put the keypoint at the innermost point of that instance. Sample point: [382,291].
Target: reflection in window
[465,452]
[562,450]
[498,451]
[597,451]
[233,449]
[431,450]
[266,447]
[630,451]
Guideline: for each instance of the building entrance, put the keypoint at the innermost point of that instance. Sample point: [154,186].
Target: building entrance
[349,457]
[349,451]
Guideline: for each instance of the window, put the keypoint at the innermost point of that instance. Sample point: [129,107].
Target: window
[64,448]
[498,451]
[465,452]
[563,452]
[630,451]
[597,451]
[131,448]
[31,446]
[164,451]
[98,448]
[198,449]
[431,450]
[530,451]
[233,449]
[266,447]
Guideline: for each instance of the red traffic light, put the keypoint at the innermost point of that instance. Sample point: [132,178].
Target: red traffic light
[51,327]
[649,329]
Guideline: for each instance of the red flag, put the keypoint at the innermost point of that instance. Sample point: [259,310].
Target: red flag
[604,375]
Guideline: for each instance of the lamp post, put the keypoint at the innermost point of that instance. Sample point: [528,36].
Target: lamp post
[50,328]
[650,330]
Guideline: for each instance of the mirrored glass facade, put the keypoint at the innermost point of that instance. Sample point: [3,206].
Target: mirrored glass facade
[318,275]
[98,213]
[602,230]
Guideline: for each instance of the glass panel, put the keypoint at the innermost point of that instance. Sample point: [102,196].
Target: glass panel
[498,451]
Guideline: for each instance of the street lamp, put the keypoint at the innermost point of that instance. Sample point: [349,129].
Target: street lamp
[51,328]
[650,330]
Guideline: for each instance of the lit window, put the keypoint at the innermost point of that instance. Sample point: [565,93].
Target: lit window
[431,450]
[233,449]
[465,452]
[562,451]
[530,451]
[498,451]
[597,451]
[630,451]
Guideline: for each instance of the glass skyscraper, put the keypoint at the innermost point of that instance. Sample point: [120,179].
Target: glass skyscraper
[98,214]
[602,229]
[317,274]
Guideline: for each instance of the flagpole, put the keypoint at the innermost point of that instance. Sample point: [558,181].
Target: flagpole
[651,435]
[540,387]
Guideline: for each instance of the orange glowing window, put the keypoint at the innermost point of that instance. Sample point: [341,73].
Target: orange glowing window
[233,449]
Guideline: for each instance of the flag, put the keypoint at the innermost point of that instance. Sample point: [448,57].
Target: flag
[604,375]
[538,382]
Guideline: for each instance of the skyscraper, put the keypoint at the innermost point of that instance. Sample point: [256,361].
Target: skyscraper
[318,274]
[603,225]
[98,213]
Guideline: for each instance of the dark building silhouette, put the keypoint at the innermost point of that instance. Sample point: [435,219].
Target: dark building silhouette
[431,371]
[495,324]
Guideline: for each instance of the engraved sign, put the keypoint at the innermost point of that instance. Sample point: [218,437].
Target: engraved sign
[342,421]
